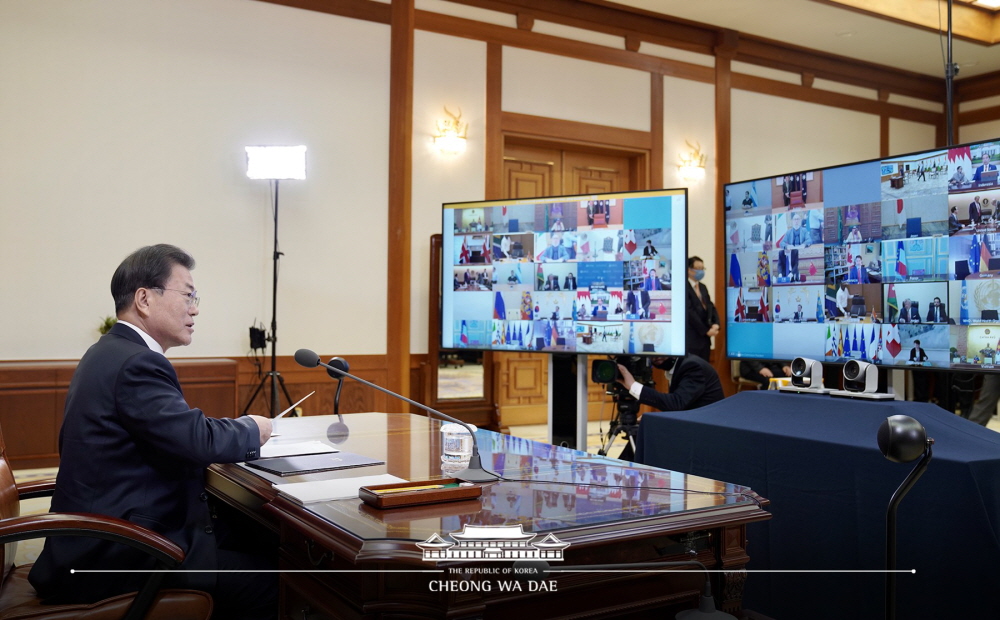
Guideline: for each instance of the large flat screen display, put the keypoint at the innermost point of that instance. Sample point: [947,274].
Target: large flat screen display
[894,261]
[579,274]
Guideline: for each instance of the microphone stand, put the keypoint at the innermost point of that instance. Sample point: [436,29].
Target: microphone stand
[890,530]
[473,473]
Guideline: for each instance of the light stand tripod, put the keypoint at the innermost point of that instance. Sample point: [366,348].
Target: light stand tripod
[273,375]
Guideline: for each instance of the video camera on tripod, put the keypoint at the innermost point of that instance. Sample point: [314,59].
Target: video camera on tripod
[625,419]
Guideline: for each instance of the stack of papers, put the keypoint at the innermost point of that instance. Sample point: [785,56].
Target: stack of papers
[327,490]
[270,449]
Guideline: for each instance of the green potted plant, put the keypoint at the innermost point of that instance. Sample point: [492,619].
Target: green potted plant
[106,324]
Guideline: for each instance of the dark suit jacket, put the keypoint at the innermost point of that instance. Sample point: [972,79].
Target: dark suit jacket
[694,384]
[930,314]
[858,275]
[914,357]
[131,447]
[699,320]
[975,212]
[911,316]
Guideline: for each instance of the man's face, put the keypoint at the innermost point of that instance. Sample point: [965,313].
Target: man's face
[857,261]
[652,273]
[986,160]
[937,301]
[171,318]
[796,221]
[906,304]
[555,240]
[697,266]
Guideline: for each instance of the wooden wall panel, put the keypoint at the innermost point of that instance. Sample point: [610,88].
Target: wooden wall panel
[33,396]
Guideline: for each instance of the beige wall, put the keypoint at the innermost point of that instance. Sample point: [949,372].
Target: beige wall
[123,123]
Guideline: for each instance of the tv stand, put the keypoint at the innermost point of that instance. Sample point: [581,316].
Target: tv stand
[568,401]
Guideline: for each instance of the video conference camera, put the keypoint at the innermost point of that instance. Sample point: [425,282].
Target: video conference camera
[807,377]
[861,381]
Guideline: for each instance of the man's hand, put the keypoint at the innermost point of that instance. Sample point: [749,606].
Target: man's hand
[766,372]
[627,379]
[264,426]
[787,370]
[713,331]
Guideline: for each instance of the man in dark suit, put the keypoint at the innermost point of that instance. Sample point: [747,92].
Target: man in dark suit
[909,314]
[798,316]
[985,166]
[651,283]
[937,312]
[702,318]
[570,282]
[975,211]
[131,447]
[693,384]
[857,274]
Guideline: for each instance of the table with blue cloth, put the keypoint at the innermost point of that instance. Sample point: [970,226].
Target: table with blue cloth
[817,459]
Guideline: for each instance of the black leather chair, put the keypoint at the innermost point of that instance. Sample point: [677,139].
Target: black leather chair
[19,600]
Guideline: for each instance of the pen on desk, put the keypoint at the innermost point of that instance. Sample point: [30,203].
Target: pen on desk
[295,405]
[426,487]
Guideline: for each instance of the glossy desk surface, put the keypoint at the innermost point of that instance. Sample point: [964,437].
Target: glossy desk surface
[546,488]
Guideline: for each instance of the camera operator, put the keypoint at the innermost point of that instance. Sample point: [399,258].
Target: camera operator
[693,383]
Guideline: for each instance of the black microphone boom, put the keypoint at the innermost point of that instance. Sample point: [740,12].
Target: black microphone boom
[342,365]
[473,473]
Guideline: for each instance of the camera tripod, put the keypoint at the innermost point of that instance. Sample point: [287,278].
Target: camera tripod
[625,424]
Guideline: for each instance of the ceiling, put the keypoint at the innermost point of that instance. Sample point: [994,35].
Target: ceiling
[838,27]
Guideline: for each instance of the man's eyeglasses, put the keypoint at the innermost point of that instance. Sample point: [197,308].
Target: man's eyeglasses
[192,296]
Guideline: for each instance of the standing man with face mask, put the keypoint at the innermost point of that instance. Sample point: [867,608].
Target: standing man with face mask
[702,317]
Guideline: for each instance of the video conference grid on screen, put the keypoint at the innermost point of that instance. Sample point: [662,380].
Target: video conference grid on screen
[578,274]
[893,261]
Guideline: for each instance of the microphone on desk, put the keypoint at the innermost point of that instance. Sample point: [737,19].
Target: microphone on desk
[341,366]
[473,473]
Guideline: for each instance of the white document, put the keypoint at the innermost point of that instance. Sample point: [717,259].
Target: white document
[327,490]
[270,449]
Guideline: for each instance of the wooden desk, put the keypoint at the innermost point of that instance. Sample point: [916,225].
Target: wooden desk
[602,525]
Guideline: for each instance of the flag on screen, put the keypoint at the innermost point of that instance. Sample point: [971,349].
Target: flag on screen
[466,255]
[741,311]
[509,334]
[892,344]
[762,310]
[985,253]
[847,343]
[975,255]
[900,260]
[831,342]
[763,270]
[630,244]
[892,303]
[963,317]
[777,307]
[854,344]
[899,205]
[735,277]
[840,343]
[812,269]
[753,193]
[735,237]
[877,357]
[517,274]
[465,333]
[864,344]
[499,309]
[819,308]
[526,310]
